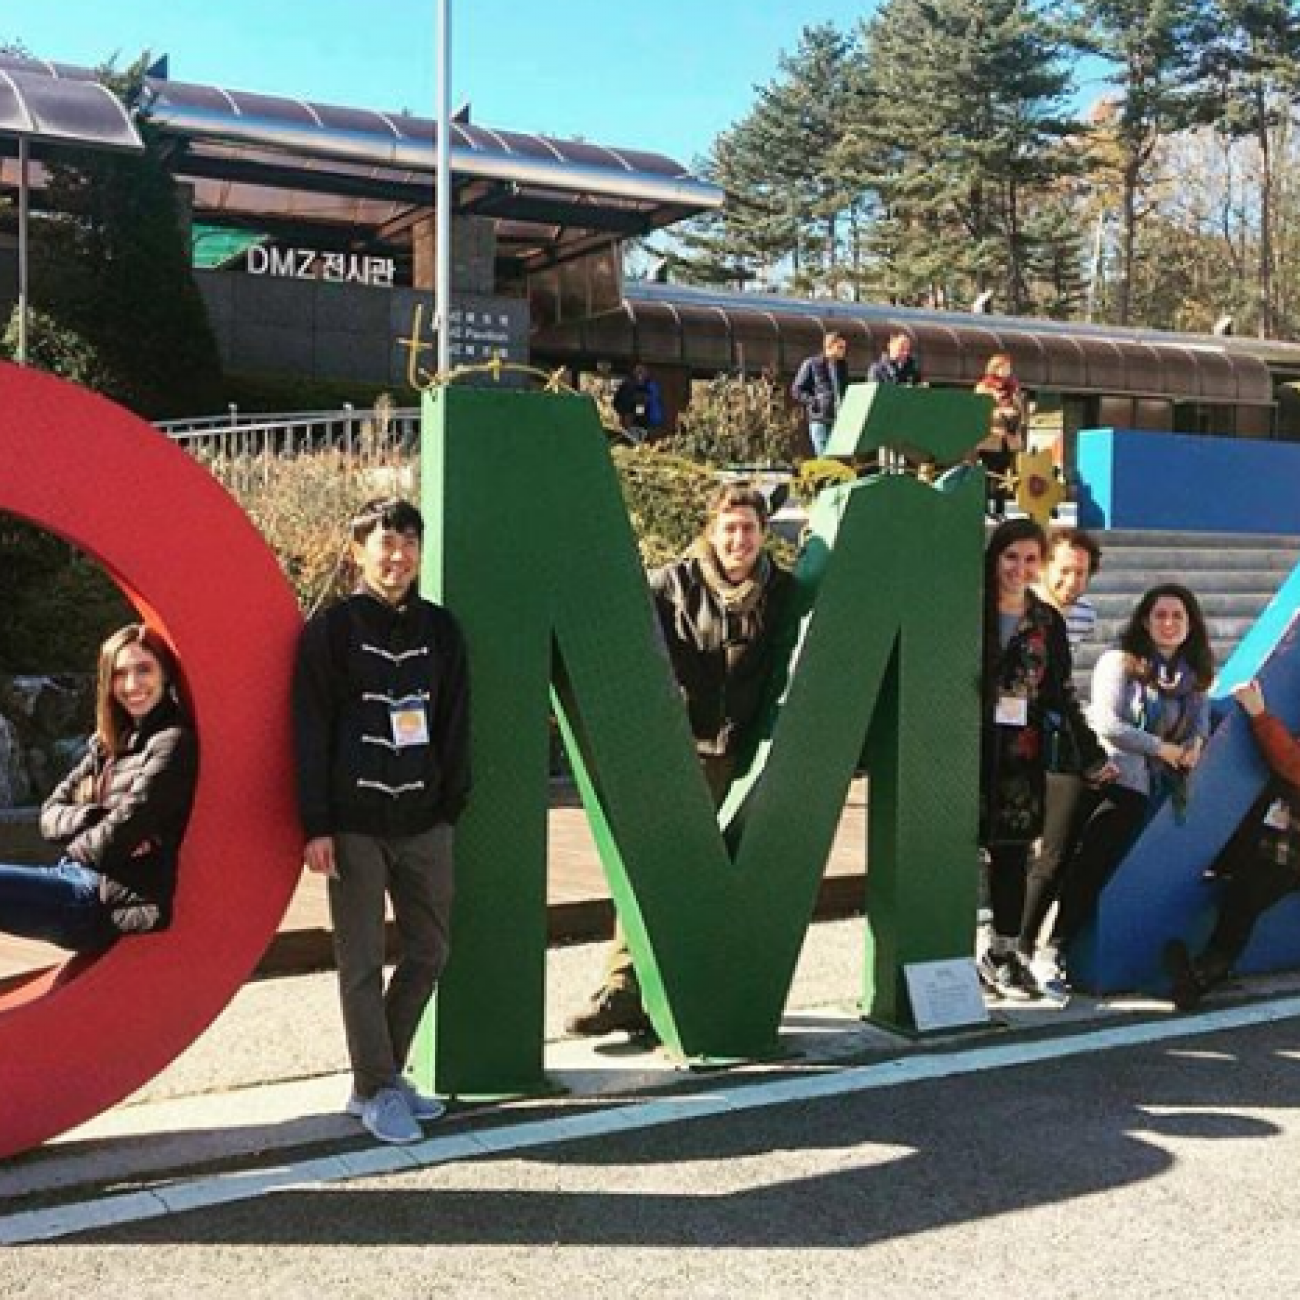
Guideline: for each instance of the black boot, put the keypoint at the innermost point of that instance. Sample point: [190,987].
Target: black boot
[1187,989]
[609,1011]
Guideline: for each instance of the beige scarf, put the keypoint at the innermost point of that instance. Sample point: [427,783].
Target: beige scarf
[737,597]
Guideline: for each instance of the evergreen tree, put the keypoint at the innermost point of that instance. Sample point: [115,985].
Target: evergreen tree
[959,129]
[1057,286]
[1156,48]
[781,168]
[112,267]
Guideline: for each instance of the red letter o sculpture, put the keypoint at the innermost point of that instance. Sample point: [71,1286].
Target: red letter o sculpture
[75,1041]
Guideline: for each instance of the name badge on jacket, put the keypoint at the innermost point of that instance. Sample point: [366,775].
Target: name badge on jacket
[1012,711]
[410,725]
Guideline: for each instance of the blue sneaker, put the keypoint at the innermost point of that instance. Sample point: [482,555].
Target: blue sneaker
[422,1106]
[387,1117]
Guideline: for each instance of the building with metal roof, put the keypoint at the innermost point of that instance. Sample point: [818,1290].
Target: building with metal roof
[313,236]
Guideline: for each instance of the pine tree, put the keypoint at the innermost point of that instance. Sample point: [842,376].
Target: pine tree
[959,129]
[787,194]
[1156,48]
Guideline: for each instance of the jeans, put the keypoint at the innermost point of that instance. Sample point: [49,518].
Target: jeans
[1253,887]
[1008,865]
[1066,808]
[619,972]
[58,904]
[819,433]
[1116,817]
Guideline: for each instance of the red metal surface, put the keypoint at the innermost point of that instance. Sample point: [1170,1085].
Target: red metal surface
[75,1041]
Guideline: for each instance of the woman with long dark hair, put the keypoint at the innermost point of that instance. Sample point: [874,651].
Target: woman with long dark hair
[1150,706]
[119,816]
[1028,701]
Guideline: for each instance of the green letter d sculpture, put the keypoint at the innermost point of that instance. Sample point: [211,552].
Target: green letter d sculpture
[530,544]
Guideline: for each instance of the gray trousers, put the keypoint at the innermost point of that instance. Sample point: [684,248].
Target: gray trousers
[416,873]
[619,971]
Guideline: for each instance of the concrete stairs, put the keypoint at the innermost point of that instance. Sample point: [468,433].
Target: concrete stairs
[1234,576]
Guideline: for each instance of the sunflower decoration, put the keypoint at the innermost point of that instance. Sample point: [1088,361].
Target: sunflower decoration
[1038,486]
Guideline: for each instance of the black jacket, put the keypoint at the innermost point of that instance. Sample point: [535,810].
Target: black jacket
[722,701]
[885,370]
[817,384]
[1014,761]
[355,661]
[125,817]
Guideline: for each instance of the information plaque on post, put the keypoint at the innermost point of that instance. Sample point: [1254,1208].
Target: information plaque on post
[945,995]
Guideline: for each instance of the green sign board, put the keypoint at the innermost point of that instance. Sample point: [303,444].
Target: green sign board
[530,544]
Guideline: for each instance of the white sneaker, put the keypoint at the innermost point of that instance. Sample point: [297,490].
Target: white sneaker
[1051,979]
[387,1117]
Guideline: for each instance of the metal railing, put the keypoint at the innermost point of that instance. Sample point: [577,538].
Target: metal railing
[247,435]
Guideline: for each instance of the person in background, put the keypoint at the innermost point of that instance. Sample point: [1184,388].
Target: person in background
[1007,427]
[1027,695]
[897,364]
[819,387]
[718,607]
[639,404]
[1261,862]
[120,815]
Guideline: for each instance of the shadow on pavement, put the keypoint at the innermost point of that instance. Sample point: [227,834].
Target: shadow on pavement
[839,1172]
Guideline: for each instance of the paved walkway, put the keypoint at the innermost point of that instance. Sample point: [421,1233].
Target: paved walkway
[255,1105]
[579,905]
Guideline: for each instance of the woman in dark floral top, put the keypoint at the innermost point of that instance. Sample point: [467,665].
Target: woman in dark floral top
[1029,709]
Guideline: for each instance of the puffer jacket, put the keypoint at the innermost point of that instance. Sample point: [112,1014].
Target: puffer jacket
[125,815]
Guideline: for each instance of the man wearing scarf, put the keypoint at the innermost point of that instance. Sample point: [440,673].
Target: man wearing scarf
[717,606]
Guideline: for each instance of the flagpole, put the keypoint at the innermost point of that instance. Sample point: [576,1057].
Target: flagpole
[442,192]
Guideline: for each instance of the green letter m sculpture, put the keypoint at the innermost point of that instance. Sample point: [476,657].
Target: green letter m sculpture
[529,543]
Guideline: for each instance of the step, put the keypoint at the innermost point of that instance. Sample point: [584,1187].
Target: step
[1112,605]
[1124,537]
[1174,561]
[1131,583]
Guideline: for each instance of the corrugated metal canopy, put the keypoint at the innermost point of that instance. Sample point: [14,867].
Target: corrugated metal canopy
[263,156]
[35,108]
[707,331]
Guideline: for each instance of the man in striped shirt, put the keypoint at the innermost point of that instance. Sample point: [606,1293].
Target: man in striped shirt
[1073,559]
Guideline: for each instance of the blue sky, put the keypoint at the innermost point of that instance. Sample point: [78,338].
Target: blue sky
[665,76]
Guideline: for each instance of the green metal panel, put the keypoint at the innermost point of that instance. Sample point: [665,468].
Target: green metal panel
[943,423]
[530,544]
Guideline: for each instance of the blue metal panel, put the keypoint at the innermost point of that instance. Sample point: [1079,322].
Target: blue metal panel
[1160,892]
[1201,484]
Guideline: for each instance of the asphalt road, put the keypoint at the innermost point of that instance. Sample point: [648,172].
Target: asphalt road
[1169,1170]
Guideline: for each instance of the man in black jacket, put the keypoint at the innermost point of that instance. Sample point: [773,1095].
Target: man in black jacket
[819,388]
[717,607]
[381,720]
[897,363]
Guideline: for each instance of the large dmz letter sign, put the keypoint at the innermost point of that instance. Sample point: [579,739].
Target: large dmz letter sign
[530,544]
